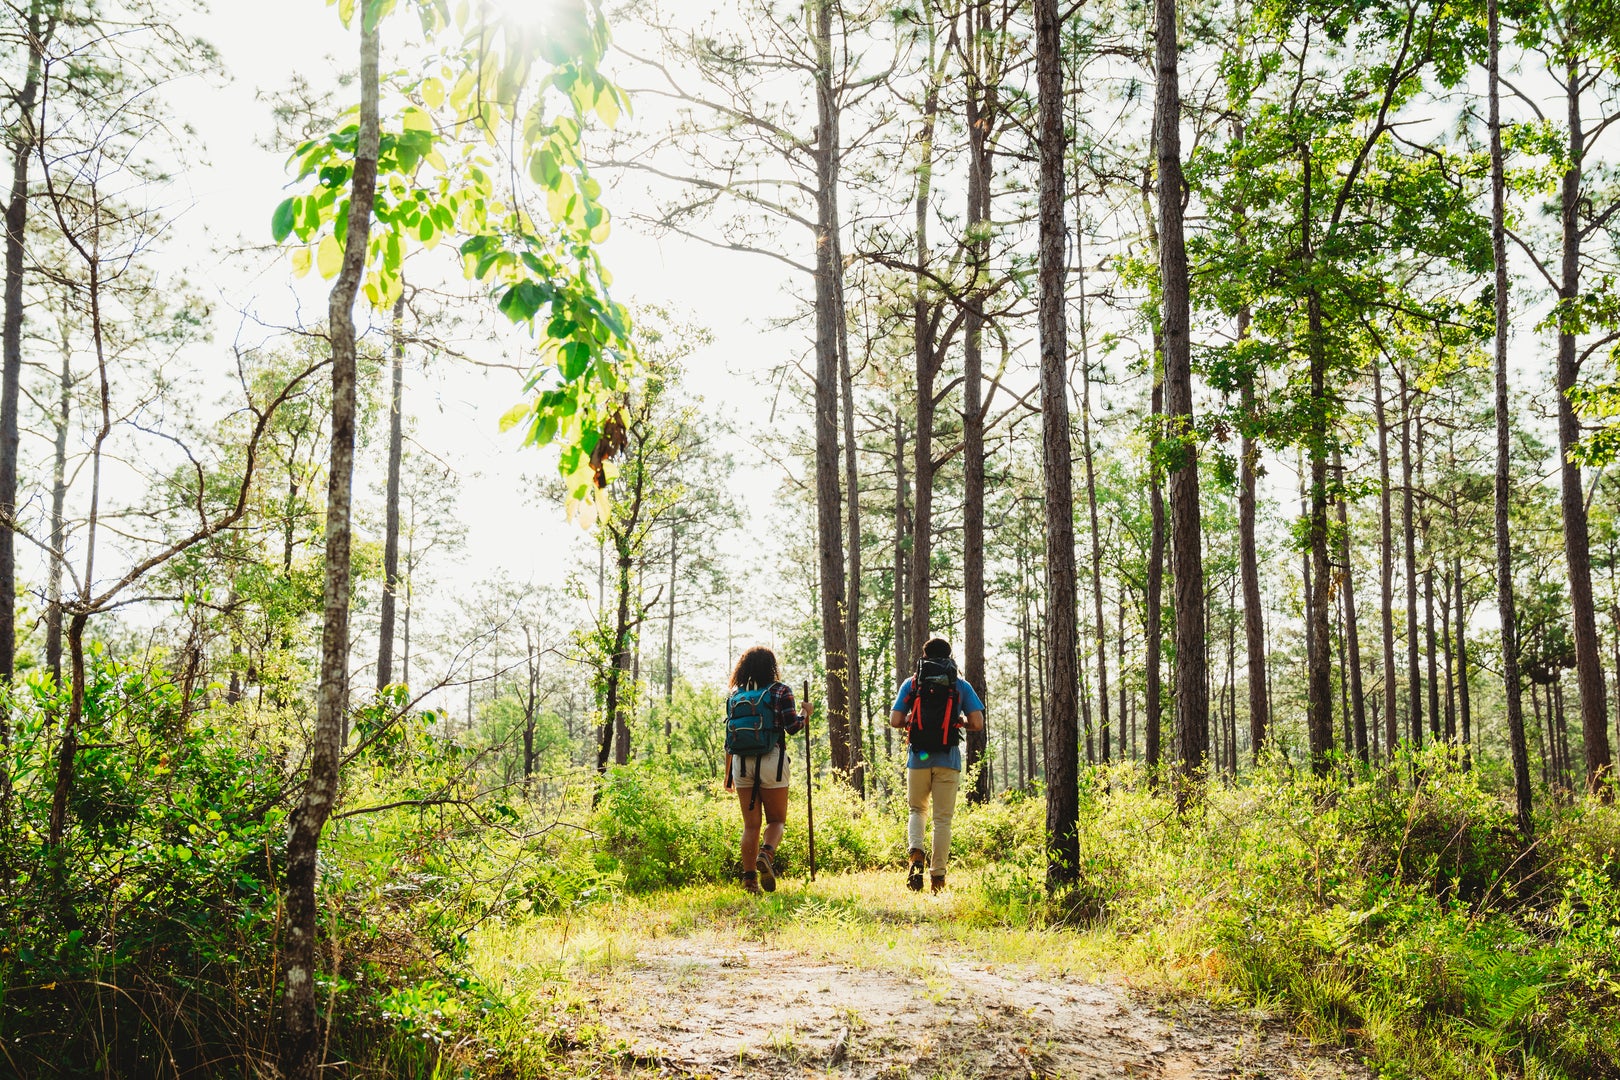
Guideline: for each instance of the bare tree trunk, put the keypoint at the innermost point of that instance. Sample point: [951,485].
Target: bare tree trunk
[829,307]
[53,586]
[1449,657]
[1414,717]
[396,453]
[1428,592]
[1358,703]
[1153,628]
[1386,564]
[973,598]
[1062,636]
[903,647]
[1319,703]
[300,1038]
[1254,627]
[1577,545]
[923,327]
[38,32]
[1192,690]
[1091,505]
[1507,614]
[669,632]
[1464,713]
[853,768]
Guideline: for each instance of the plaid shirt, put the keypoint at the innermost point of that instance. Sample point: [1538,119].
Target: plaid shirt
[782,708]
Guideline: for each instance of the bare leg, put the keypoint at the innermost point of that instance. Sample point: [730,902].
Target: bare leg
[775,802]
[751,816]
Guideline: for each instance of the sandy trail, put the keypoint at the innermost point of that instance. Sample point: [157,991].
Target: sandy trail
[696,1008]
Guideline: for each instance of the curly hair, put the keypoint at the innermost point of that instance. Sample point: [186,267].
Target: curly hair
[756,668]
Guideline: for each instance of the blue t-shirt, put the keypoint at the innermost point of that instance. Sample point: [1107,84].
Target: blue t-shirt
[967,701]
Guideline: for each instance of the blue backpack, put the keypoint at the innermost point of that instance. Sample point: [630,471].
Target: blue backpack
[751,730]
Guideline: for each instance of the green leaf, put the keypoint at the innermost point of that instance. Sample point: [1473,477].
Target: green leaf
[281,222]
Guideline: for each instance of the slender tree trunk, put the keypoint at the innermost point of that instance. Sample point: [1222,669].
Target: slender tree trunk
[1061,712]
[1319,703]
[1091,506]
[396,452]
[300,1037]
[1254,626]
[1153,628]
[973,599]
[853,766]
[1449,657]
[1192,690]
[903,647]
[1358,702]
[1577,545]
[829,307]
[1433,685]
[1464,713]
[1386,565]
[53,586]
[23,139]
[926,367]
[1409,525]
[669,634]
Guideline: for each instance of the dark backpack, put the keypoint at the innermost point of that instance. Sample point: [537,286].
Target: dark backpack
[933,725]
[751,730]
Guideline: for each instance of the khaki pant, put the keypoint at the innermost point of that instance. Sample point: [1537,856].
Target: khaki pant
[942,784]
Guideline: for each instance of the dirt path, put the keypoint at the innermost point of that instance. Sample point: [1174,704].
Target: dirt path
[695,1008]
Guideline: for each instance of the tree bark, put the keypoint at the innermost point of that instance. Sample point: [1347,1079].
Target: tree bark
[39,31]
[1464,711]
[829,306]
[396,453]
[300,1037]
[1577,544]
[1517,746]
[58,555]
[1186,545]
[1254,627]
[1319,700]
[1091,505]
[1153,628]
[979,109]
[1061,712]
[1386,565]
[925,369]
[849,759]
[1414,716]
[1358,703]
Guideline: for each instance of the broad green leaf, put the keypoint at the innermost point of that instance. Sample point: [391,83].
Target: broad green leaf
[329,257]
[301,261]
[516,415]
[432,92]
[281,222]
[417,120]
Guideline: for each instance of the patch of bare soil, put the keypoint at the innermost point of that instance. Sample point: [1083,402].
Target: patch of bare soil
[692,1008]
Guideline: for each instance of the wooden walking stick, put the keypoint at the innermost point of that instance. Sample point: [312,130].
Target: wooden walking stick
[809,786]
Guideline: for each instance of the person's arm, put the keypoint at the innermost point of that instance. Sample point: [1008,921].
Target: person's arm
[897,719]
[975,720]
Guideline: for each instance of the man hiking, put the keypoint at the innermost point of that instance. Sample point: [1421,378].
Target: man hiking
[931,707]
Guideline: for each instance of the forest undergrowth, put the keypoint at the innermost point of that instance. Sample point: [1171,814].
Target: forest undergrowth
[1407,923]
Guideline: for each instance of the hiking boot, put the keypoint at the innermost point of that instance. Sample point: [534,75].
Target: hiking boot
[914,875]
[750,882]
[767,872]
[938,881]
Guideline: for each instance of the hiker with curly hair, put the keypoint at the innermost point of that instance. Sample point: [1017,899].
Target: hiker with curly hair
[933,707]
[759,718]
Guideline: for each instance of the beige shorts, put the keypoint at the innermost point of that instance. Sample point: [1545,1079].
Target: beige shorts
[742,770]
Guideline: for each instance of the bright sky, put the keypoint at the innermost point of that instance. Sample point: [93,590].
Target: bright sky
[238,183]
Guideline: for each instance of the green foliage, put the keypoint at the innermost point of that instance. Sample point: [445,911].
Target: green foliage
[438,166]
